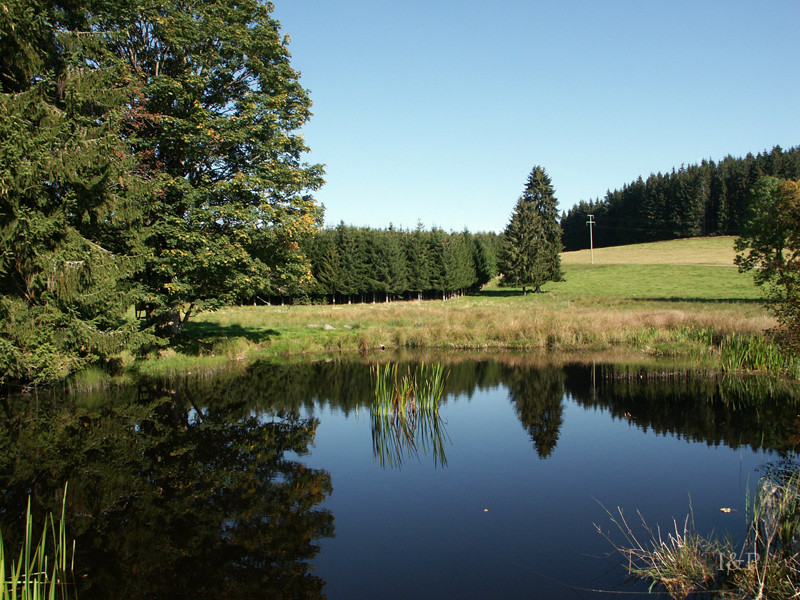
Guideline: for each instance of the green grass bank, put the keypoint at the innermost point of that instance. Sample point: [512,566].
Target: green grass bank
[683,300]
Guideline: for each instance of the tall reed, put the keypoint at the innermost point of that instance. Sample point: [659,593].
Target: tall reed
[405,413]
[755,353]
[39,573]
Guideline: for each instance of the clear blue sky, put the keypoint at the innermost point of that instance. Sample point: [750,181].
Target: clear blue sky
[436,110]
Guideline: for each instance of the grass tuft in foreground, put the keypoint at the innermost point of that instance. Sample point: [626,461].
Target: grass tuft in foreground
[684,563]
[39,573]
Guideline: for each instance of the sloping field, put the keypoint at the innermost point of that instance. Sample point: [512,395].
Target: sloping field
[657,282]
[707,251]
[696,269]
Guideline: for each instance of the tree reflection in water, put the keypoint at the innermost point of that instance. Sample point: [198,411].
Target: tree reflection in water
[192,488]
[735,411]
[170,497]
[537,395]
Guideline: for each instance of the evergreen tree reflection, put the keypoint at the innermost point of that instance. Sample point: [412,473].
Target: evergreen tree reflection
[735,411]
[537,395]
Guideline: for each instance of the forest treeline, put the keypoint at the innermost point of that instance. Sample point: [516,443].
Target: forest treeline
[696,200]
[361,264]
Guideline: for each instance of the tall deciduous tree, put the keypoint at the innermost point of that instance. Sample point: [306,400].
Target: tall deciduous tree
[224,106]
[770,246]
[531,247]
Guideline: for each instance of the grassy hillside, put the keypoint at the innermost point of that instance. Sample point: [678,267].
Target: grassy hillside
[657,282]
[690,269]
[691,275]
[709,251]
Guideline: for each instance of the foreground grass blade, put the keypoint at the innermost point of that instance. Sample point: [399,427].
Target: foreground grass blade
[33,576]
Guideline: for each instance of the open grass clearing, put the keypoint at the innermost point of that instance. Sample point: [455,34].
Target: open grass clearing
[671,282]
[628,308]
[712,251]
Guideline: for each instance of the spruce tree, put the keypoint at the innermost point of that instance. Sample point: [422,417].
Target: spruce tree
[418,262]
[398,277]
[484,256]
[70,192]
[324,257]
[531,247]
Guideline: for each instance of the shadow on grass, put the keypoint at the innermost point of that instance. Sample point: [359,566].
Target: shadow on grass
[512,292]
[702,300]
[201,337]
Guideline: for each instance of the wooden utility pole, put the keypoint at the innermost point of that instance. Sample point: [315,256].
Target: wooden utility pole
[590,223]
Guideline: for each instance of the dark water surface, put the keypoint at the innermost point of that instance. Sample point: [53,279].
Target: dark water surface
[273,482]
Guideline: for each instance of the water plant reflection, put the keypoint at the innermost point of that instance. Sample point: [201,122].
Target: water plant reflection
[405,413]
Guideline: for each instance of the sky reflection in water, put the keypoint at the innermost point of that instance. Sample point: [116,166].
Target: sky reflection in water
[200,487]
[500,521]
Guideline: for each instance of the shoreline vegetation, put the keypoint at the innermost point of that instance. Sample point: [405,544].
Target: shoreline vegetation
[684,563]
[39,571]
[681,301]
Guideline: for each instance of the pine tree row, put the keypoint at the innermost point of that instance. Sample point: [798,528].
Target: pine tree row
[704,199]
[358,264]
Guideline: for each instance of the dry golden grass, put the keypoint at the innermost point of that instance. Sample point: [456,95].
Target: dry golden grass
[542,322]
[676,299]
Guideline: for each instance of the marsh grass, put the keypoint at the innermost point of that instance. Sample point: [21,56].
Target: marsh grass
[680,561]
[542,323]
[405,412]
[39,572]
[756,353]
[684,563]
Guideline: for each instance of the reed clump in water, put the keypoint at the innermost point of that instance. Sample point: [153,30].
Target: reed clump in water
[757,353]
[405,412]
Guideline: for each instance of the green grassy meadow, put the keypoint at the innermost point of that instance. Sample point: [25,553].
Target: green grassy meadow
[691,270]
[710,251]
[657,282]
[676,300]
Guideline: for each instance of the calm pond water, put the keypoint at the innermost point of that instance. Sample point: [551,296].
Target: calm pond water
[279,482]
